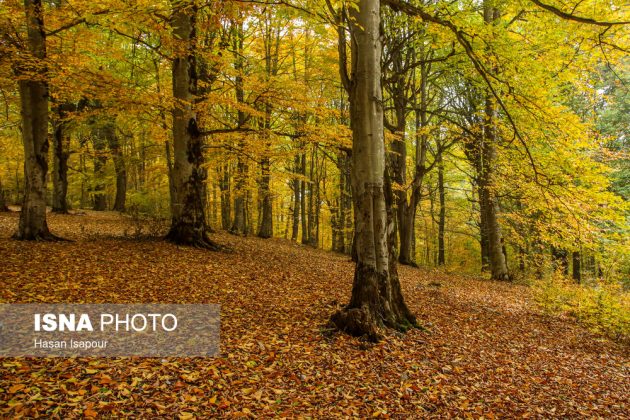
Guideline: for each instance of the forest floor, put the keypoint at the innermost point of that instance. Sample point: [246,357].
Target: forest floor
[488,351]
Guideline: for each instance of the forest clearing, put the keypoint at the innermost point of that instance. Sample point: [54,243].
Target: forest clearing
[487,352]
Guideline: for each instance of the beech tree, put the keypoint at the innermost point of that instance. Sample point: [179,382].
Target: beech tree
[188,225]
[33,88]
[377,299]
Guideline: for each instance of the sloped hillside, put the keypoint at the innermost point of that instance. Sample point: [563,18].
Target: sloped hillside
[487,351]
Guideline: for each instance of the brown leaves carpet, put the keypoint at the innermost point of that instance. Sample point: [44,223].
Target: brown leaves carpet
[488,352]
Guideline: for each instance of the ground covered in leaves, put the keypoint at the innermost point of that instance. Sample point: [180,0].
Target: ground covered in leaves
[487,351]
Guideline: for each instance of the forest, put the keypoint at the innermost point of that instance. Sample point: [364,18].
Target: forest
[405,208]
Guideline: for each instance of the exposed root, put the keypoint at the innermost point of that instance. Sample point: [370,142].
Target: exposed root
[40,237]
[357,322]
[197,241]
[408,263]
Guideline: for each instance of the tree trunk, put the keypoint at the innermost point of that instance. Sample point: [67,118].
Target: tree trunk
[376,299]
[498,264]
[577,263]
[239,225]
[560,260]
[99,141]
[3,199]
[240,218]
[442,217]
[188,223]
[266,224]
[119,166]
[61,144]
[296,199]
[226,204]
[33,90]
[303,199]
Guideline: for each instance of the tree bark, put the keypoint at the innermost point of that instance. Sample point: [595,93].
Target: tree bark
[489,201]
[303,201]
[376,299]
[3,199]
[296,199]
[61,153]
[99,141]
[119,166]
[239,225]
[266,223]
[226,199]
[188,223]
[33,90]
[441,260]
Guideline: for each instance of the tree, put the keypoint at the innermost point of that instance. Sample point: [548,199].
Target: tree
[377,299]
[33,88]
[188,219]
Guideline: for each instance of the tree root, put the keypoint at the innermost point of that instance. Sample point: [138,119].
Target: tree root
[408,263]
[41,237]
[357,322]
[203,242]
[360,322]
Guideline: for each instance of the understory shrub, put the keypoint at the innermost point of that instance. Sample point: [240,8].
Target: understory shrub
[602,306]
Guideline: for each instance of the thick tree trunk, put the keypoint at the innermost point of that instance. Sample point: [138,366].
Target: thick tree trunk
[60,162]
[188,223]
[33,90]
[377,299]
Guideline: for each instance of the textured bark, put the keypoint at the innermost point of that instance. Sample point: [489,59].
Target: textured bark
[188,223]
[489,201]
[33,90]
[376,299]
